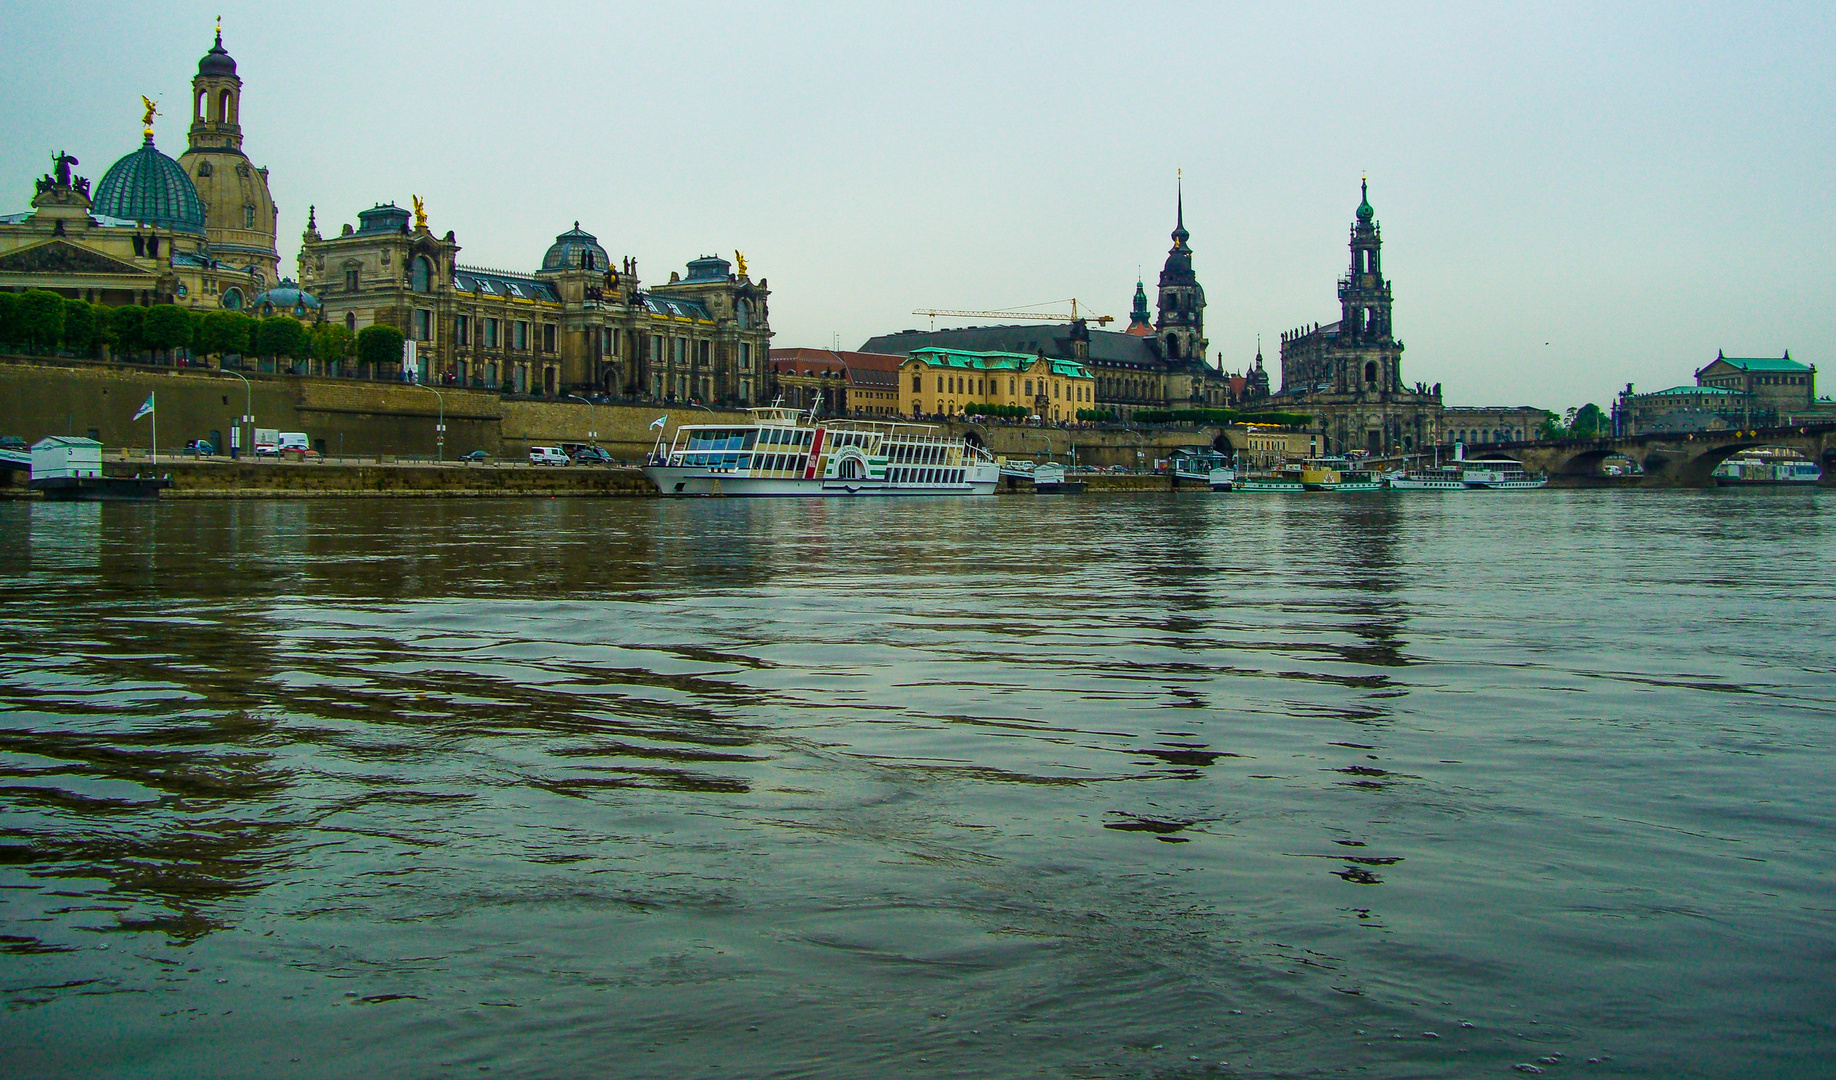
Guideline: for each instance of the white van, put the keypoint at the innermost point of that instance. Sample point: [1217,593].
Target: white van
[291,440]
[547,455]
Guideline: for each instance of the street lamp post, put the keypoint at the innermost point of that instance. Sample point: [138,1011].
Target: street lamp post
[440,428]
[248,409]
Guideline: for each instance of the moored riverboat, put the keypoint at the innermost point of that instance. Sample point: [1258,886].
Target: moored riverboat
[788,452]
[1049,479]
[1498,474]
[1337,474]
[1445,478]
[1766,467]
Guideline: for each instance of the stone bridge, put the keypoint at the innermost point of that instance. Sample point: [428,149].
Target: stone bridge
[1669,460]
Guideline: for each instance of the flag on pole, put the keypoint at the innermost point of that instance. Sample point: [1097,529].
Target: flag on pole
[660,422]
[145,408]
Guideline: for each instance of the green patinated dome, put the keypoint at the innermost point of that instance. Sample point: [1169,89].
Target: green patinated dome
[148,186]
[1365,213]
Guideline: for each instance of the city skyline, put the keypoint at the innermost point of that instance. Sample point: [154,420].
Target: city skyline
[1569,205]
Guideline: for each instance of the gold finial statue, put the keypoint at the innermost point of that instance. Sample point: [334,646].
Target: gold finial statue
[152,111]
[420,213]
[740,258]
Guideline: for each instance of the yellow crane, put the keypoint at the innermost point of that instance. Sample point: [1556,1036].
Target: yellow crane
[1046,316]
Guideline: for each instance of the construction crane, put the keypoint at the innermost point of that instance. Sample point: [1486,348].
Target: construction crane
[1047,316]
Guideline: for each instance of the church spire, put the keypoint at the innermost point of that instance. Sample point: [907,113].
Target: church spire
[1140,323]
[1180,235]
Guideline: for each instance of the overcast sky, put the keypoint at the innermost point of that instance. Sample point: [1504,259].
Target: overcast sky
[1572,197]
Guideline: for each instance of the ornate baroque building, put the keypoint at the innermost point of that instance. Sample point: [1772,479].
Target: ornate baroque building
[198,232]
[578,325]
[1348,375]
[1158,366]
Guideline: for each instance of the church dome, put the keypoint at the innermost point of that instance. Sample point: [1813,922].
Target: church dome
[148,186]
[218,60]
[570,247]
[1365,213]
[286,298]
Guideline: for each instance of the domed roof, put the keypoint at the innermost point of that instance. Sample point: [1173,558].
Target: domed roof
[286,297]
[150,187]
[1365,213]
[569,247]
[217,61]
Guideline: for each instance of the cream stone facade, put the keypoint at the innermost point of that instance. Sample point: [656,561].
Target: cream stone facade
[578,326]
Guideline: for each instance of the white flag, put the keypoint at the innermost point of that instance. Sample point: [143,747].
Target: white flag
[659,422]
[145,408]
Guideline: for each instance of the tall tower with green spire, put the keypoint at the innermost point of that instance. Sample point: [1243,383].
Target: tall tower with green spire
[1140,320]
[1181,327]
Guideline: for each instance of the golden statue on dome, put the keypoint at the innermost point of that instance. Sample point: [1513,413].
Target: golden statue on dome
[740,258]
[152,110]
[420,213]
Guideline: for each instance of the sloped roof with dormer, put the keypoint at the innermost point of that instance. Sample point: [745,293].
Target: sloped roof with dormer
[474,279]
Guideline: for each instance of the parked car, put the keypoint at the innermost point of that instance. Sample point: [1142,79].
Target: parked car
[592,455]
[547,455]
[476,457]
[13,442]
[200,447]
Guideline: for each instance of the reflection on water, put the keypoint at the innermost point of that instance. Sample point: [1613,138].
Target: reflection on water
[1118,787]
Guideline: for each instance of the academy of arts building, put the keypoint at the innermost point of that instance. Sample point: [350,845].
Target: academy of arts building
[200,232]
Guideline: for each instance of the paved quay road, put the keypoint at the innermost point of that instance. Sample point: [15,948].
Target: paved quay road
[1121,787]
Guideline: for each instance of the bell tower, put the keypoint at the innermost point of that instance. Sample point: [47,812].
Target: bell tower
[216,101]
[1181,326]
[1364,296]
[240,219]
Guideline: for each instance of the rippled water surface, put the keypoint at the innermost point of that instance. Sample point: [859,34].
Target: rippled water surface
[1118,787]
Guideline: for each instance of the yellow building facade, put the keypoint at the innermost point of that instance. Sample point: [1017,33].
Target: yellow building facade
[947,382]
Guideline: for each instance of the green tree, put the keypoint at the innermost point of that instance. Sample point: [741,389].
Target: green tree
[9,312]
[1551,427]
[81,325]
[168,327]
[378,346]
[39,319]
[126,325]
[283,337]
[223,333]
[1588,422]
[332,344]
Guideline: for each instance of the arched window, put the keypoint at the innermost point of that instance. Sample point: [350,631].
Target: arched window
[223,107]
[350,321]
[1172,347]
[420,275]
[1370,371]
[197,107]
[232,298]
[742,314]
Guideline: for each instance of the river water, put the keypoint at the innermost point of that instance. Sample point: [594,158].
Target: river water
[1121,786]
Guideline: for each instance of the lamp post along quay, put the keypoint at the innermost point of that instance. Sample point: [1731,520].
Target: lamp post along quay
[248,415]
[439,428]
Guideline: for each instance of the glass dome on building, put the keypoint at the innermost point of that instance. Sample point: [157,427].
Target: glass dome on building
[286,298]
[570,248]
[149,187]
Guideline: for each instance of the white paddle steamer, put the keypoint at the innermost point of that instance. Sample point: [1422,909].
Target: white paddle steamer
[789,452]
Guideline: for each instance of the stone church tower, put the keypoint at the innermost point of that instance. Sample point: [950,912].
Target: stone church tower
[1181,326]
[1364,307]
[240,218]
[1348,375]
